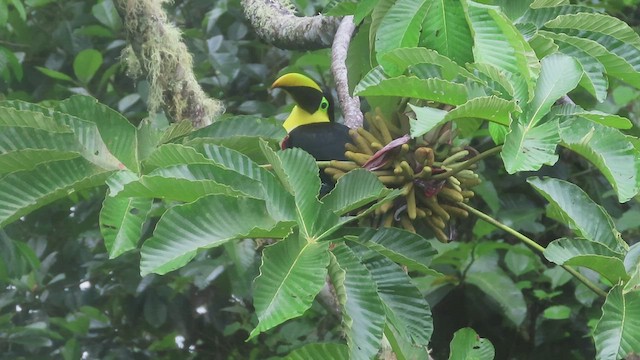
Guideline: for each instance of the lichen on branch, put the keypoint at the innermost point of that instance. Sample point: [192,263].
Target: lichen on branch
[276,23]
[156,51]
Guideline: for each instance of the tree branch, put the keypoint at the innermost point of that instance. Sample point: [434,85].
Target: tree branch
[350,105]
[276,23]
[156,51]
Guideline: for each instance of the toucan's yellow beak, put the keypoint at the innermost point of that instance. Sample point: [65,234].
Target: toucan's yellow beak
[292,80]
[312,106]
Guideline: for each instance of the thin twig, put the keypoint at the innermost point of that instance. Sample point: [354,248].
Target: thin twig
[532,244]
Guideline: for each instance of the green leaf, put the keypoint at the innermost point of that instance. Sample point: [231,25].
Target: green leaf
[616,65]
[280,203]
[593,79]
[568,111]
[363,312]
[539,16]
[528,148]
[616,334]
[498,42]
[298,172]
[241,133]
[597,23]
[400,26]
[557,312]
[354,190]
[106,13]
[205,223]
[173,154]
[292,273]
[116,131]
[23,148]
[579,212]
[497,79]
[86,63]
[396,62]
[590,254]
[608,149]
[376,84]
[24,191]
[499,286]
[401,246]
[320,352]
[87,134]
[468,345]
[121,221]
[560,74]
[404,305]
[427,118]
[23,114]
[188,183]
[445,30]
[54,74]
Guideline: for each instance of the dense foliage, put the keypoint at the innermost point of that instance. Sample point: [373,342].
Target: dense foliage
[125,236]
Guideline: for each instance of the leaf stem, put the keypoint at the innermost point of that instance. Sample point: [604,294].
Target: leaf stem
[593,287]
[465,164]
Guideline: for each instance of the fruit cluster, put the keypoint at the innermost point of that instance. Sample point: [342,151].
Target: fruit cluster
[435,176]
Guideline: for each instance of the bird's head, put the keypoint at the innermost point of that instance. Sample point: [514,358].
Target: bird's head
[312,104]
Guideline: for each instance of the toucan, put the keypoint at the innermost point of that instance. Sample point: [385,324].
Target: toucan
[311,125]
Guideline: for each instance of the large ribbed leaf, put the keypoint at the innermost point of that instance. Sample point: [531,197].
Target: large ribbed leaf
[499,286]
[188,183]
[207,222]
[496,78]
[22,148]
[121,220]
[597,23]
[468,345]
[528,148]
[588,219]
[24,191]
[489,108]
[396,62]
[356,189]
[376,84]
[560,74]
[617,66]
[173,154]
[400,26]
[298,172]
[92,145]
[241,133]
[405,307]
[616,334]
[279,202]
[117,133]
[363,311]
[594,79]
[540,16]
[568,112]
[293,271]
[446,31]
[498,42]
[22,114]
[608,149]
[401,246]
[325,351]
[590,254]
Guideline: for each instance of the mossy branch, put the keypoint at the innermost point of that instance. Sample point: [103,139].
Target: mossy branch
[157,52]
[276,23]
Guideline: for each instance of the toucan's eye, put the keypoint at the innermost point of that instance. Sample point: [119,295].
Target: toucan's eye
[324,104]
